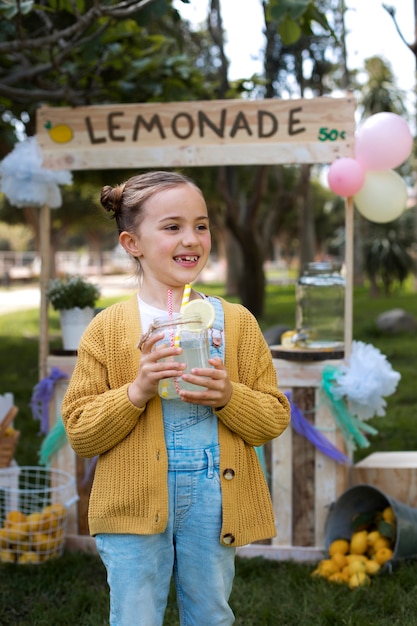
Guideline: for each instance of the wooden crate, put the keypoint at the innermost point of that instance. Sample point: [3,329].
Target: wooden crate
[304,482]
[393,473]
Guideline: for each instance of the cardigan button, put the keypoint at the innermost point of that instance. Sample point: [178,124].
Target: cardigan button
[228,539]
[229,474]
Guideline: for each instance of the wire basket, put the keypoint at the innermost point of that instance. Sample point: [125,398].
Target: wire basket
[34,503]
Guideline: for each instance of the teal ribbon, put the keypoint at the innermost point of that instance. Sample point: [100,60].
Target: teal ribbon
[53,442]
[260,452]
[353,429]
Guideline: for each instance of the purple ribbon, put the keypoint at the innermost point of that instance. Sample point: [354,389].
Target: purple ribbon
[303,427]
[41,397]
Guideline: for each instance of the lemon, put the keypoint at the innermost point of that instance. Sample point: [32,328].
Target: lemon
[372,567]
[350,558]
[203,308]
[41,542]
[35,522]
[48,521]
[358,542]
[17,533]
[339,559]
[382,555]
[7,556]
[372,537]
[15,516]
[355,567]
[359,579]
[327,567]
[338,577]
[29,557]
[4,538]
[57,509]
[286,338]
[388,514]
[381,542]
[339,545]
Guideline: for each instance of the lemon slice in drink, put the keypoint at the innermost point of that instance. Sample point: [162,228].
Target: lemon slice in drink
[203,308]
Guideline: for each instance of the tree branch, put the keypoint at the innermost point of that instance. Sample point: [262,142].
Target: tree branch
[121,10]
[392,12]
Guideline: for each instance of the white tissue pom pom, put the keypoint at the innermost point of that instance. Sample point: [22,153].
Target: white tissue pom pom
[365,380]
[25,182]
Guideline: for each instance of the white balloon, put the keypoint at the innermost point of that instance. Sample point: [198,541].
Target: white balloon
[383,196]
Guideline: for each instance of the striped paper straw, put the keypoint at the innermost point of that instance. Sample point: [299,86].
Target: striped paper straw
[174,340]
[185,295]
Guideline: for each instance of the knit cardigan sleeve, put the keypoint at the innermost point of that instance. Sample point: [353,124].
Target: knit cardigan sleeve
[96,410]
[257,411]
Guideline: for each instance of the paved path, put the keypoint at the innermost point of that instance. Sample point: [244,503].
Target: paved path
[28,297]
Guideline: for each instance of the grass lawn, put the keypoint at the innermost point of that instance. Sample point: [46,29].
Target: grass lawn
[72,591]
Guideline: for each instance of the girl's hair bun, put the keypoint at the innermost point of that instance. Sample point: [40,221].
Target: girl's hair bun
[111,197]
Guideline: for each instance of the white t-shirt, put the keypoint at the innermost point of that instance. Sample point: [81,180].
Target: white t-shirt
[148,313]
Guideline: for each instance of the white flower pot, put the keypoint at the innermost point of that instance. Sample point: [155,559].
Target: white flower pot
[73,324]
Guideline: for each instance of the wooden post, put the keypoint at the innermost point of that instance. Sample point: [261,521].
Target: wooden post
[44,238]
[349,209]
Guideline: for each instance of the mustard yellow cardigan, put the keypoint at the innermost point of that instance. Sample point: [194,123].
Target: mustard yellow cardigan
[129,492]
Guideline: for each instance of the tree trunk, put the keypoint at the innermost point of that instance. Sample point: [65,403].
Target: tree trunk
[306,218]
[252,279]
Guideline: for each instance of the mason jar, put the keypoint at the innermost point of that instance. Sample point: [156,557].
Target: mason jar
[320,305]
[189,334]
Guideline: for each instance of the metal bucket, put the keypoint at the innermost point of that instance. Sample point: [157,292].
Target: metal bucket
[366,499]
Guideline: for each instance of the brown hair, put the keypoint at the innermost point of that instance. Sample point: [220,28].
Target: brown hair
[127,200]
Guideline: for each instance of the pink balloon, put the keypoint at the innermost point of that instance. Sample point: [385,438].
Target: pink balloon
[346,176]
[383,142]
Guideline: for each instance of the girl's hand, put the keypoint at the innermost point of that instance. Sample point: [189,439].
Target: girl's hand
[152,369]
[218,388]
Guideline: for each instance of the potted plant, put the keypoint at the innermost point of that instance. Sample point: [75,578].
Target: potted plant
[75,299]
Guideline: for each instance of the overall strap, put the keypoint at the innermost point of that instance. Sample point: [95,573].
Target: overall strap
[216,332]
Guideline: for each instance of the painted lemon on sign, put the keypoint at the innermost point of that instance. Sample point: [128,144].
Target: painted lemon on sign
[60,133]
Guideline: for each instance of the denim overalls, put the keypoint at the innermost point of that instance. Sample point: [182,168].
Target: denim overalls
[140,567]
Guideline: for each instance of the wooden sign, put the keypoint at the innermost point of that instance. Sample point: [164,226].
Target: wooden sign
[201,133]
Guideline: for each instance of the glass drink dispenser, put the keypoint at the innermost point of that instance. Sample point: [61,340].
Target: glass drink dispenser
[320,306]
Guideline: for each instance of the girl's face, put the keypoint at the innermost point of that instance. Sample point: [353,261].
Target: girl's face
[173,239]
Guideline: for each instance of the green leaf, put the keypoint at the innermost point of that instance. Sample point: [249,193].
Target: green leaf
[362,520]
[289,31]
[277,10]
[386,529]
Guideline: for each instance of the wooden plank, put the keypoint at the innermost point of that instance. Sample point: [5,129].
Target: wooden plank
[45,252]
[327,473]
[282,487]
[84,484]
[281,553]
[303,472]
[80,543]
[198,133]
[393,473]
[292,374]
[65,459]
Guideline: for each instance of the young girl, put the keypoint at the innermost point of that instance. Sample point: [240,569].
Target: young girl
[177,485]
